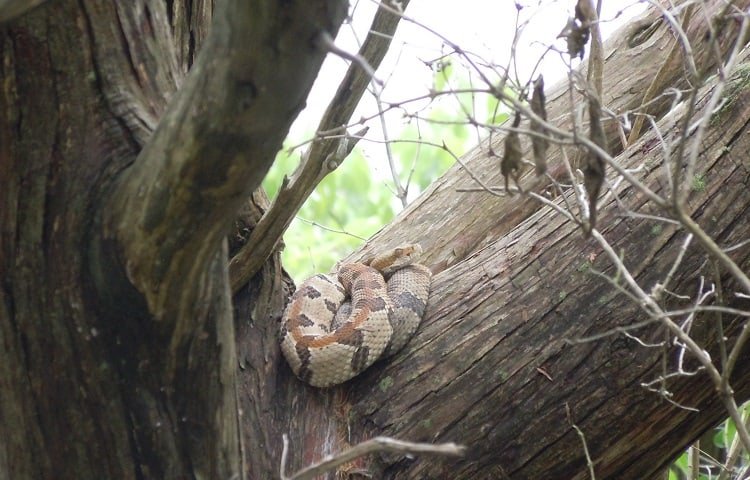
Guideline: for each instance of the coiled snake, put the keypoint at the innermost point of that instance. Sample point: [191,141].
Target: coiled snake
[328,339]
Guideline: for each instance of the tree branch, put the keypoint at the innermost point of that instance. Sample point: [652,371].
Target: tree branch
[10,9]
[270,228]
[286,205]
[377,444]
[213,146]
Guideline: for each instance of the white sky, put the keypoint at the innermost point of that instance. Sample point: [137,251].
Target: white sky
[485,27]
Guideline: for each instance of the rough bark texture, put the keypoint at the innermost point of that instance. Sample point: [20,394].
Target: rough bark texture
[120,174]
[512,285]
[477,372]
[633,56]
[118,356]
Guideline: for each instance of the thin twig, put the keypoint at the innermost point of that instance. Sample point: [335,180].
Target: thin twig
[326,41]
[329,229]
[664,284]
[714,250]
[377,444]
[266,235]
[589,462]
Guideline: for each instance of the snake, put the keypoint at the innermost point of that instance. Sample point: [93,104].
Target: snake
[336,325]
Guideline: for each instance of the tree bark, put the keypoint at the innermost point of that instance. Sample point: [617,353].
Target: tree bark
[490,366]
[121,174]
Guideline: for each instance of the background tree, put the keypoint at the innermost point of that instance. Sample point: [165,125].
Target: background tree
[133,142]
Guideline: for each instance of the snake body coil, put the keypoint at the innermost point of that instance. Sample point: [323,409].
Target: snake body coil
[328,339]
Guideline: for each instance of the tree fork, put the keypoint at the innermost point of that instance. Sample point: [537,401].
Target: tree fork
[119,358]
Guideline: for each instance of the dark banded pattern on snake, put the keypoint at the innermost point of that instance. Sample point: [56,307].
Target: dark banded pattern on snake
[327,339]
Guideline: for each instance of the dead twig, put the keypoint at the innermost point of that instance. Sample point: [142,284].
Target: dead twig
[267,233]
[377,444]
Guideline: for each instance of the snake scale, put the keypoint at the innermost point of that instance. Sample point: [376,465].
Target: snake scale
[337,325]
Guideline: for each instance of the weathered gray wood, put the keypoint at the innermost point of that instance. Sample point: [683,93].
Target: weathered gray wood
[512,285]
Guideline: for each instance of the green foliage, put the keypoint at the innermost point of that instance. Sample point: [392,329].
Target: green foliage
[724,435]
[345,201]
[680,465]
[349,205]
[355,201]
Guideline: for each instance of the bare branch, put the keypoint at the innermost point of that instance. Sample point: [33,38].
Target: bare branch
[329,229]
[401,192]
[171,209]
[268,232]
[377,444]
[289,200]
[714,250]
[589,462]
[326,41]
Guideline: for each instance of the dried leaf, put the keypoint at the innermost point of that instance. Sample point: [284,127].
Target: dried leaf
[593,178]
[576,36]
[577,31]
[510,165]
[539,144]
[593,169]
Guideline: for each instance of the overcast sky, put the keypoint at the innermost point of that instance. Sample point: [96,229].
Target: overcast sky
[485,27]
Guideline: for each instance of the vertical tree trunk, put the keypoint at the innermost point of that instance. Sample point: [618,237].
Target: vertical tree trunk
[118,356]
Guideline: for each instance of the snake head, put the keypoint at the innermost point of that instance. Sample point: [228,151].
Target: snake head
[391,260]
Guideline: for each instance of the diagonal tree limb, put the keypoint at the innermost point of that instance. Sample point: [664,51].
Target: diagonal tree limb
[303,180]
[171,209]
[10,9]
[271,227]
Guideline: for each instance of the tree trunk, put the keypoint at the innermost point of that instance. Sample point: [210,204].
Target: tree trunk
[490,366]
[118,356]
[120,175]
